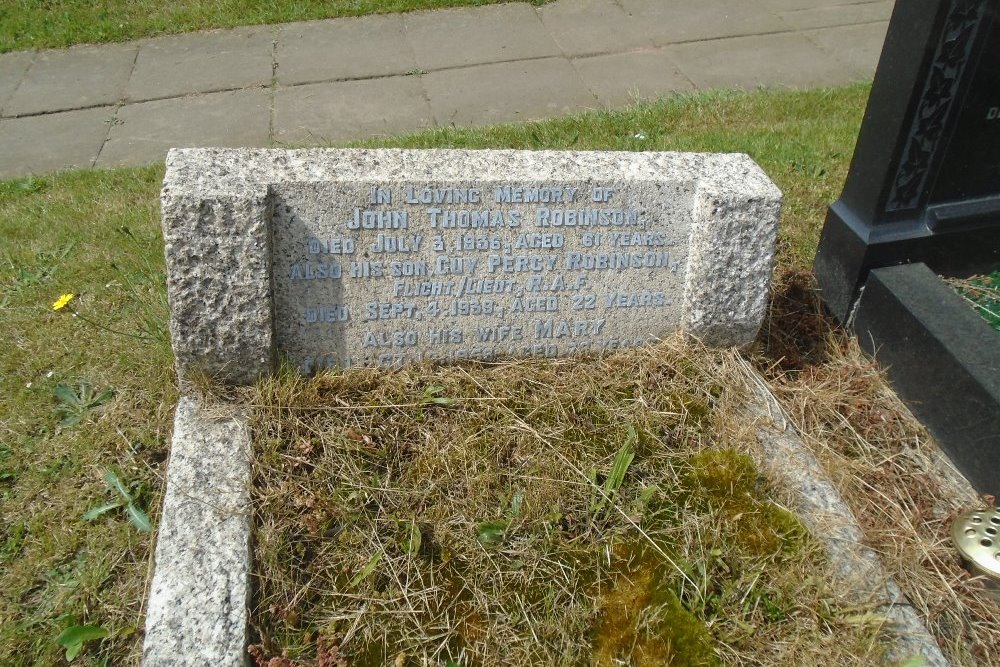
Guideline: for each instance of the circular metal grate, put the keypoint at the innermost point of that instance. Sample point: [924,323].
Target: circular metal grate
[977,536]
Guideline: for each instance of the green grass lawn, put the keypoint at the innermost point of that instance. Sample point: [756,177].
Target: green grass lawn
[96,234]
[38,24]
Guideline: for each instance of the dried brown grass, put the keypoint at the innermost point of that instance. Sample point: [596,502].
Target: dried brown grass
[887,468]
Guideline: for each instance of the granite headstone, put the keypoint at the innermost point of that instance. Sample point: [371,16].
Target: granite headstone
[924,184]
[922,199]
[339,258]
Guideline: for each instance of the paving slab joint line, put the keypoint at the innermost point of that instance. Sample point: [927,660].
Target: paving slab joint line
[417,72]
[680,70]
[569,59]
[451,68]
[199,93]
[20,80]
[810,33]
[53,112]
[856,568]
[114,116]
[129,103]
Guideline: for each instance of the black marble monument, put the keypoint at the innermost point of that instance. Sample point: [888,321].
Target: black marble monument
[923,195]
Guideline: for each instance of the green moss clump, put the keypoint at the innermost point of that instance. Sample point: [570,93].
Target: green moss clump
[727,481]
[720,475]
[642,622]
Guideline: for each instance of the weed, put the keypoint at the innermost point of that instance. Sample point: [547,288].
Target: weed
[73,404]
[614,479]
[13,542]
[21,187]
[74,637]
[136,516]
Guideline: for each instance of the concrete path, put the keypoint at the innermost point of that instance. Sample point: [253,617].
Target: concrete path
[329,82]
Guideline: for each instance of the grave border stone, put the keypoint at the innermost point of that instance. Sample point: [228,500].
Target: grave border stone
[218,203]
[907,312]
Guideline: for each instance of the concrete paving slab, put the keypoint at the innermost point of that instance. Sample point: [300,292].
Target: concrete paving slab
[13,67]
[857,46]
[830,15]
[679,21]
[144,131]
[474,35]
[350,48]
[347,110]
[588,27]
[52,141]
[202,62]
[623,78]
[507,92]
[75,78]
[789,5]
[787,60]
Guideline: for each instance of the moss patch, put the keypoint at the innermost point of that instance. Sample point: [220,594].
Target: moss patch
[642,622]
[728,482]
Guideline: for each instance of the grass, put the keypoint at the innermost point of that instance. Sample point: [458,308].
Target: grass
[983,294]
[36,24]
[66,233]
[76,400]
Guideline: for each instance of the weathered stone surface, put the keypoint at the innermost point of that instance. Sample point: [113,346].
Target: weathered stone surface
[781,60]
[382,257]
[340,111]
[624,78]
[144,132]
[346,48]
[218,252]
[52,141]
[13,67]
[476,35]
[197,611]
[857,46]
[507,92]
[201,62]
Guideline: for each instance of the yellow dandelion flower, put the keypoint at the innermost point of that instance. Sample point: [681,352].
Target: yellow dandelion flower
[63,301]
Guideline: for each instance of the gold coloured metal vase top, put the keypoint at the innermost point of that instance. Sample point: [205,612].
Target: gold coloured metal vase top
[977,536]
